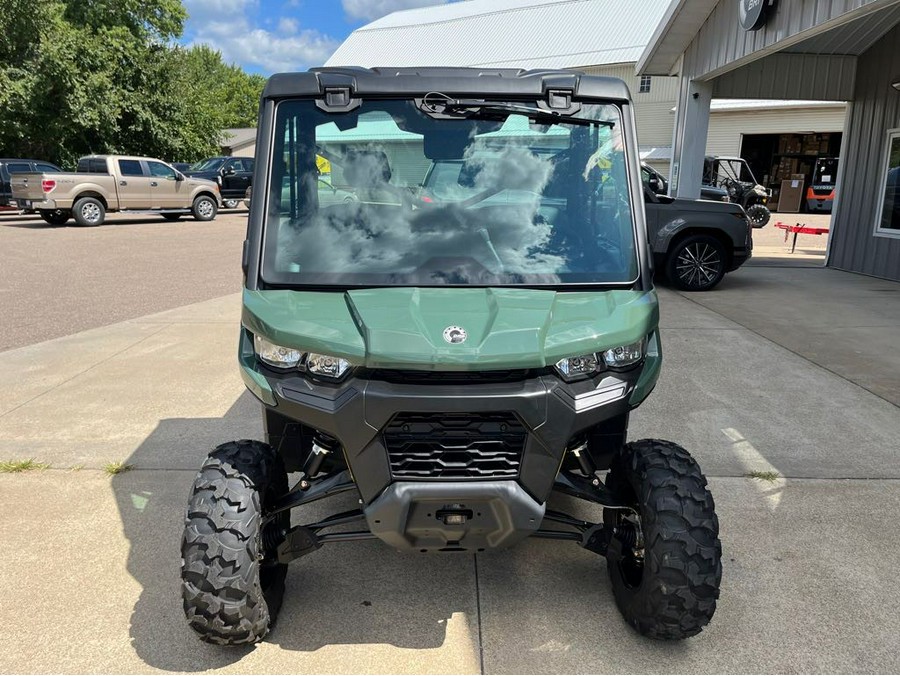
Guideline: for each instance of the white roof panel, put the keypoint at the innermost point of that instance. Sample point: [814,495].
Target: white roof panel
[506,34]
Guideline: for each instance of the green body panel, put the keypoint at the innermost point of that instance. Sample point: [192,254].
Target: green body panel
[649,374]
[254,380]
[403,327]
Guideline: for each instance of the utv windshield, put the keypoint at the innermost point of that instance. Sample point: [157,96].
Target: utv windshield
[388,195]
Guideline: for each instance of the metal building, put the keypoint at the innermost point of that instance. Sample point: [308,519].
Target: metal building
[600,37]
[839,50]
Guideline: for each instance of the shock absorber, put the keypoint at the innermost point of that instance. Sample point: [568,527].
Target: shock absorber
[322,445]
[578,448]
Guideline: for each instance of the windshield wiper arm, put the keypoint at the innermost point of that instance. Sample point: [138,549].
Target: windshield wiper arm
[476,109]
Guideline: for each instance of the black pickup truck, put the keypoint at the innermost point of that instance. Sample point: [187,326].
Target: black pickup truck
[17,166]
[233,174]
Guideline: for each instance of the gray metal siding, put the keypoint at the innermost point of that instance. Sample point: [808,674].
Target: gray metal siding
[875,109]
[791,76]
[721,44]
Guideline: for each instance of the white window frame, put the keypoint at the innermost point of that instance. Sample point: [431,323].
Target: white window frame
[892,135]
[641,89]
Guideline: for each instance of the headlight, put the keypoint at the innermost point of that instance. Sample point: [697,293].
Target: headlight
[276,355]
[324,365]
[625,355]
[574,368]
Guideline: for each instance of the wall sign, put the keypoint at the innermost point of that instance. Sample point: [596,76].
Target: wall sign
[755,13]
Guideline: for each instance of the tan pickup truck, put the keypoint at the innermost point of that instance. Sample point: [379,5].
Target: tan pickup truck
[108,183]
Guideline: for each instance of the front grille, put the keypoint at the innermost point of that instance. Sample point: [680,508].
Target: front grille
[426,446]
[452,377]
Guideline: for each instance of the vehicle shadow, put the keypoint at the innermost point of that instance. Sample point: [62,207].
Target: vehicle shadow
[34,222]
[353,593]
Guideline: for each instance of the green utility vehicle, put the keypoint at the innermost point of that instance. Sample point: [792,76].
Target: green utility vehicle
[451,358]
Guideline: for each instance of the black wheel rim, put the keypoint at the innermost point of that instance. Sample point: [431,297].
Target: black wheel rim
[698,264]
[628,553]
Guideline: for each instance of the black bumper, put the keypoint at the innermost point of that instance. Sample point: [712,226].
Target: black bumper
[739,257]
[525,425]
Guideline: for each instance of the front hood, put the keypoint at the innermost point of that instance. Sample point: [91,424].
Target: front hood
[685,204]
[404,327]
[194,181]
[206,175]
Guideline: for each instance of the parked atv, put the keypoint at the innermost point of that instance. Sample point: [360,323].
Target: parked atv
[734,175]
[451,364]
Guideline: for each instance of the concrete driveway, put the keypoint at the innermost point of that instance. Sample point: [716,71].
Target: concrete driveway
[89,567]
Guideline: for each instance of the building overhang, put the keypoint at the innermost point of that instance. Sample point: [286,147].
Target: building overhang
[672,36]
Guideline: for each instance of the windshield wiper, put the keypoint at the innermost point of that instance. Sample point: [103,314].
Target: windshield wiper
[480,109]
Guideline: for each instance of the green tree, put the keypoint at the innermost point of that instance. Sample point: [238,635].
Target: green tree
[103,76]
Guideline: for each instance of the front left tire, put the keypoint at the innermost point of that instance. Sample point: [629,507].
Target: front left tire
[664,558]
[231,582]
[696,263]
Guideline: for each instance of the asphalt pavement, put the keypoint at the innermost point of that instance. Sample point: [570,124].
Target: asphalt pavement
[89,570]
[57,280]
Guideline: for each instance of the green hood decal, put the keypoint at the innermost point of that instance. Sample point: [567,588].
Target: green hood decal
[404,327]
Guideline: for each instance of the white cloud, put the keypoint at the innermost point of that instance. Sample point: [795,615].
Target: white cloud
[288,26]
[374,9]
[225,25]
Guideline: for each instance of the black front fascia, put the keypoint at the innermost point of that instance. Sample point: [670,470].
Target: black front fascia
[357,411]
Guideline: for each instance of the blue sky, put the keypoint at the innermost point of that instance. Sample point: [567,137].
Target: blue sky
[269,36]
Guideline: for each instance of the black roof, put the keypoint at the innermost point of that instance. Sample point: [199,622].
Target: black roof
[6,160]
[455,81]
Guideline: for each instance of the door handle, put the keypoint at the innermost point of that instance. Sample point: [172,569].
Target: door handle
[153,184]
[123,182]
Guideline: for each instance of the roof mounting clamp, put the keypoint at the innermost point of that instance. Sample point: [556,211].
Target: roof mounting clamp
[559,98]
[337,100]
[559,101]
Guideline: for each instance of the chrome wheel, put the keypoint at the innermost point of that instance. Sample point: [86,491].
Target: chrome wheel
[230,204]
[90,212]
[204,208]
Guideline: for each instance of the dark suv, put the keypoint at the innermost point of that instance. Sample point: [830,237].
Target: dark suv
[233,174]
[16,166]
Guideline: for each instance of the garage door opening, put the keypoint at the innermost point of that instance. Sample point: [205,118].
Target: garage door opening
[799,169]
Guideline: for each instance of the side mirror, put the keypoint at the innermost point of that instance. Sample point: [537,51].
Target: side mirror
[653,183]
[179,176]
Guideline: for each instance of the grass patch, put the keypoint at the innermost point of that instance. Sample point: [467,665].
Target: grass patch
[764,476]
[15,466]
[112,468]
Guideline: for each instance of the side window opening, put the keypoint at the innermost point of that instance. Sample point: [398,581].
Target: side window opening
[644,87]
[130,168]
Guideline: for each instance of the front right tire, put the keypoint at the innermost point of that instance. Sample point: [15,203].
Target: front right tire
[204,208]
[231,582]
[759,215]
